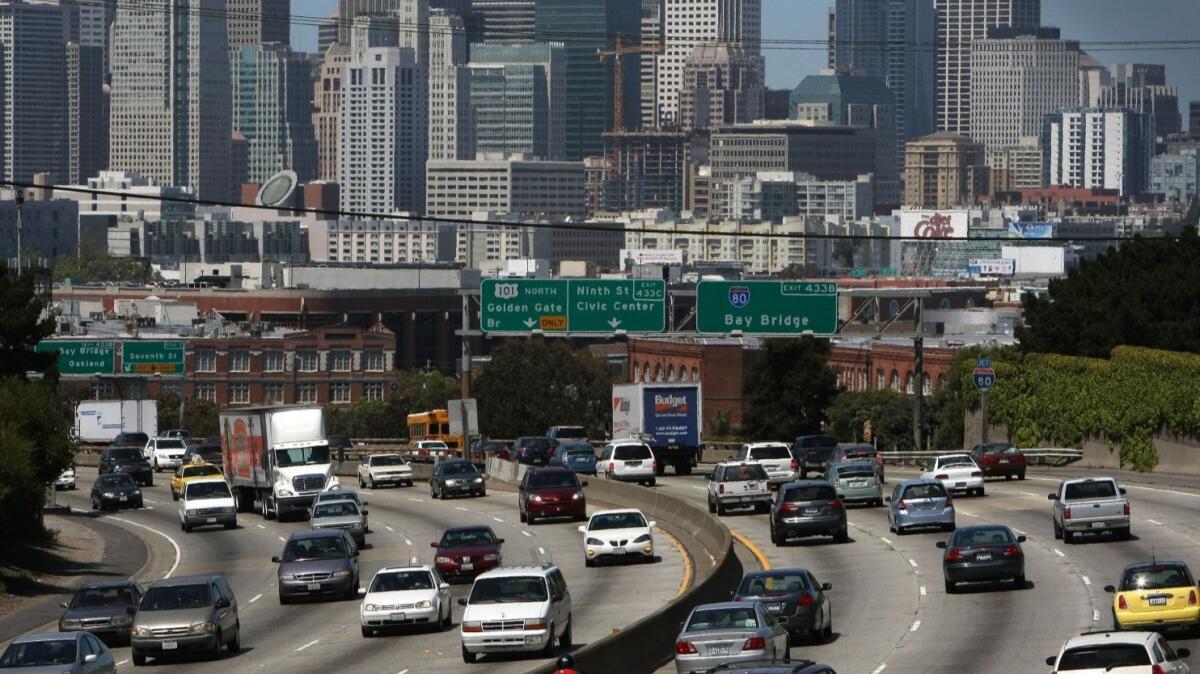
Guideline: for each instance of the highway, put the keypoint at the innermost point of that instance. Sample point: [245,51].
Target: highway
[323,636]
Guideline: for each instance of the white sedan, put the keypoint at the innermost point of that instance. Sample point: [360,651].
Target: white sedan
[401,596]
[957,473]
[617,534]
[66,480]
[384,469]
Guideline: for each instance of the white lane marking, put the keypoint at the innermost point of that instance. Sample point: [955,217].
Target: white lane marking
[311,643]
[460,508]
[1086,580]
[1155,522]
[368,493]
[1019,532]
[885,540]
[696,486]
[414,500]
[1059,552]
[541,551]
[1095,615]
[879,669]
[915,626]
[169,539]
[526,533]
[254,598]
[408,542]
[498,520]
[403,671]
[260,526]
[388,528]
[282,539]
[912,563]
[1027,493]
[969,514]
[122,662]
[148,507]
[922,590]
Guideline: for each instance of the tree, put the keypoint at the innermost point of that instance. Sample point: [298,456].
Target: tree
[788,389]
[91,265]
[199,416]
[1144,293]
[890,414]
[532,384]
[35,447]
[23,324]
[423,390]
[367,419]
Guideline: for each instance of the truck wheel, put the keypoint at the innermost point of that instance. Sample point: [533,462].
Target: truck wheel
[683,468]
[1067,536]
[720,509]
[1057,532]
[711,507]
[268,513]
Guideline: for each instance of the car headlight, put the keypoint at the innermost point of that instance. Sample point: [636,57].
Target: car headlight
[72,624]
[442,560]
[287,576]
[109,494]
[285,491]
[644,538]
[425,604]
[356,525]
[595,541]
[371,607]
[341,574]
[202,628]
[123,619]
[577,496]
[143,632]
[137,492]
[228,510]
[536,498]
[453,483]
[479,480]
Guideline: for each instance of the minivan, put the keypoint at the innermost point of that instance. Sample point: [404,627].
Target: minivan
[188,614]
[516,609]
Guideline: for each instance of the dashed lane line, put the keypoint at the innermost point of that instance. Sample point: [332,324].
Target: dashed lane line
[460,508]
[282,539]
[389,528]
[1095,615]
[879,669]
[498,520]
[122,662]
[254,598]
[922,590]
[1086,580]
[311,643]
[1155,522]
[408,542]
[1059,552]
[912,563]
[526,533]
[915,626]
[260,526]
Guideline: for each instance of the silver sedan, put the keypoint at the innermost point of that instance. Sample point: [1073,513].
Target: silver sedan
[737,633]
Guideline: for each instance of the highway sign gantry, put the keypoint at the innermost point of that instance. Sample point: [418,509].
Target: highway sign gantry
[767,307]
[572,305]
[87,356]
[157,356]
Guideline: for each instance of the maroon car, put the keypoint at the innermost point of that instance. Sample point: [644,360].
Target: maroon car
[1000,459]
[551,492]
[466,552]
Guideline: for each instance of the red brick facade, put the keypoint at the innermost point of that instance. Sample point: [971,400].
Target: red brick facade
[875,366]
[721,370]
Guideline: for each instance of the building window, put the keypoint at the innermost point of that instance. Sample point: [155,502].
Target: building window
[306,393]
[373,360]
[306,360]
[273,394]
[273,361]
[239,361]
[339,392]
[239,394]
[373,391]
[206,392]
[206,361]
[339,360]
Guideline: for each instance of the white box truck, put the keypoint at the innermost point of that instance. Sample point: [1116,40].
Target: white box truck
[99,421]
[276,458]
[665,416]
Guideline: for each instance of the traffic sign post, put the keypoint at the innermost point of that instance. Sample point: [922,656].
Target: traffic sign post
[88,357]
[767,307]
[152,357]
[985,378]
[572,305]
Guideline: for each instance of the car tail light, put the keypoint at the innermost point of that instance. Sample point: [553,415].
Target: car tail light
[654,465]
[1127,508]
[1121,603]
[1011,551]
[878,456]
[795,465]
[806,600]
[953,555]
[754,644]
[834,505]
[949,501]
[941,476]
[612,468]
[976,473]
[720,489]
[1157,669]
[684,648]
[789,507]
[901,505]
[1066,513]
[1192,598]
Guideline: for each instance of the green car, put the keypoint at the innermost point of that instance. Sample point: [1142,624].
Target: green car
[856,481]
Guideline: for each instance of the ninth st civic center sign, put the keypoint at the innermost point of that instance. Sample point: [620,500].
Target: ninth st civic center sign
[767,307]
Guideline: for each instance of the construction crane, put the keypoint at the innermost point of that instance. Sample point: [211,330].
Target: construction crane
[617,54]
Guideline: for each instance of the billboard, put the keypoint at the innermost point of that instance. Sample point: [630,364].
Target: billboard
[1030,230]
[1036,260]
[636,256]
[941,224]
[672,415]
[1000,267]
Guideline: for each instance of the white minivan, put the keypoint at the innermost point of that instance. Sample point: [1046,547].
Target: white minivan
[207,502]
[516,609]
[628,461]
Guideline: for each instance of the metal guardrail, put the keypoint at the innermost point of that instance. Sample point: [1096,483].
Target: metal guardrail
[1044,456]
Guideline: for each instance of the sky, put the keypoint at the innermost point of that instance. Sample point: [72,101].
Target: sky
[1083,20]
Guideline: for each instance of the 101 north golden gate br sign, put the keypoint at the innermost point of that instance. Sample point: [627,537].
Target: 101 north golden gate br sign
[572,305]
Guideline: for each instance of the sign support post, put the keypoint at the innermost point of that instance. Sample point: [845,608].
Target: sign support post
[985,378]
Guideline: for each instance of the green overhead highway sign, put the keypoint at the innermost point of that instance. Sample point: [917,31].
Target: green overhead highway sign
[572,305]
[152,357]
[766,307]
[91,356]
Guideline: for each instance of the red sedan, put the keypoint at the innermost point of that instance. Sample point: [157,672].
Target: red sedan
[998,459]
[465,552]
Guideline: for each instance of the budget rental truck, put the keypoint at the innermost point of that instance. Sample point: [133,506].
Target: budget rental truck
[665,416]
[276,458]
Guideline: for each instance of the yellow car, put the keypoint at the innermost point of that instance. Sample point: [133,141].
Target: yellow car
[191,471]
[1155,595]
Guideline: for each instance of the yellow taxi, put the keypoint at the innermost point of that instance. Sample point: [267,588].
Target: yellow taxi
[1155,595]
[192,471]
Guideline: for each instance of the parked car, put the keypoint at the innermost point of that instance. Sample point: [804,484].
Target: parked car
[380,469]
[617,535]
[456,478]
[208,453]
[738,485]
[1090,505]
[729,633]
[188,472]
[988,552]
[551,492]
[1145,652]
[516,609]
[167,618]
[630,461]
[855,481]
[65,480]
[67,652]
[341,514]
[999,459]
[579,457]
[102,609]
[956,472]
[795,598]
[127,460]
[808,508]
[812,452]
[534,451]
[467,551]
[318,563]
[114,491]
[164,453]
[207,502]
[860,450]
[403,596]
[1155,595]
[775,457]
[130,439]
[561,433]
[920,503]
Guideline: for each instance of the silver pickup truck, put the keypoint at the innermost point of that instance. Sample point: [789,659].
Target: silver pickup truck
[1090,505]
[738,485]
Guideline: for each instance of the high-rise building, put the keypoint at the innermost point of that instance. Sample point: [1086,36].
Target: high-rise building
[651,33]
[1176,176]
[514,185]
[327,32]
[831,39]
[504,20]
[87,113]
[1093,77]
[1143,87]
[272,108]
[411,18]
[891,40]
[643,170]
[722,84]
[95,22]
[327,106]
[690,23]
[959,24]
[34,90]
[383,132]
[517,99]
[1016,167]
[171,114]
[1099,147]
[254,22]
[1194,119]
[944,170]
[1017,76]
[349,10]
[451,124]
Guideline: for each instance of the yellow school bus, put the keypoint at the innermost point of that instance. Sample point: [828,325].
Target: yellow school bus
[432,425]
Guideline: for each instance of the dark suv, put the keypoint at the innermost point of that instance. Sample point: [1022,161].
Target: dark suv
[812,452]
[128,460]
[808,508]
[534,451]
[551,492]
[210,454]
[131,439]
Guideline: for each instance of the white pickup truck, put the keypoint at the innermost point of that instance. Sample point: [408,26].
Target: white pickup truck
[738,485]
[1089,505]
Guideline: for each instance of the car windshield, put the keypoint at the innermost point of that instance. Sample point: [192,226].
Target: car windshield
[39,654]
[467,538]
[1157,578]
[947,461]
[175,597]
[1001,448]
[564,432]
[123,454]
[856,471]
[458,468]
[335,509]
[113,480]
[389,460]
[555,480]
[925,491]
[816,492]
[722,619]
[402,581]
[772,452]
[170,443]
[200,471]
[536,443]
[1103,657]
[632,453]
[201,490]
[1091,489]
[302,456]
[433,444]
[965,538]
[99,597]
[617,521]
[134,437]
[744,472]
[773,583]
[209,452]
[308,549]
[511,589]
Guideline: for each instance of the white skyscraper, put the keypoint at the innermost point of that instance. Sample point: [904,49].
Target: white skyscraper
[688,24]
[1099,148]
[383,131]
[34,90]
[412,22]
[450,126]
[171,113]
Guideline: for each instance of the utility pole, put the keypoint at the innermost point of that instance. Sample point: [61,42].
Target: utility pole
[919,385]
[465,373]
[20,199]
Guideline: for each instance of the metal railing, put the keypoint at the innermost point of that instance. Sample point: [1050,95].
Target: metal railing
[1042,456]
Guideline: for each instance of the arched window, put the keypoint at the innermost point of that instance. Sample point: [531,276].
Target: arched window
[645,372]
[695,374]
[658,372]
[941,382]
[670,373]
[927,385]
[908,383]
[895,381]
[880,380]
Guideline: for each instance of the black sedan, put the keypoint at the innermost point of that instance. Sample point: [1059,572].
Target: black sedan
[796,599]
[983,553]
[456,478]
[116,490]
[102,609]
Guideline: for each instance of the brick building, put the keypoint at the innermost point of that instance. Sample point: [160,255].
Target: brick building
[873,366]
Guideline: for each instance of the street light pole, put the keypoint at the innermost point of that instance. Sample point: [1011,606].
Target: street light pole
[20,199]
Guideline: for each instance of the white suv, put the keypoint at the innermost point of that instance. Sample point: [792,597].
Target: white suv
[775,457]
[628,461]
[1120,652]
[516,609]
[164,453]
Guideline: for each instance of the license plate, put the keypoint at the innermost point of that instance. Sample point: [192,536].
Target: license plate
[211,520]
[811,511]
[398,617]
[468,567]
[632,463]
[983,557]
[1097,525]
[124,498]
[1158,601]
[1003,460]
[618,551]
[774,607]
[960,484]
[314,587]
[170,645]
[718,650]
